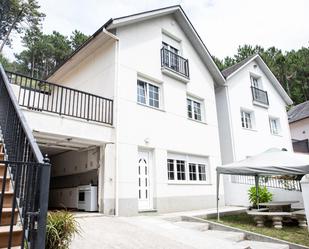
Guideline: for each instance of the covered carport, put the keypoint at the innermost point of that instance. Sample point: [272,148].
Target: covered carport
[77,168]
[269,163]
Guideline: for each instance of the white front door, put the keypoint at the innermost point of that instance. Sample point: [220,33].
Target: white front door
[143,181]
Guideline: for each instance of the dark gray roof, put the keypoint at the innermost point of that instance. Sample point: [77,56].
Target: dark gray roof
[228,71]
[299,112]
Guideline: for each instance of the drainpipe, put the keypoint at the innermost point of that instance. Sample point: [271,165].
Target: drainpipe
[116,114]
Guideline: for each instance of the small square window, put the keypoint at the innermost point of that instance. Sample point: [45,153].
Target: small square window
[192,172]
[202,172]
[148,94]
[170,169]
[181,170]
[194,109]
[274,124]
[246,120]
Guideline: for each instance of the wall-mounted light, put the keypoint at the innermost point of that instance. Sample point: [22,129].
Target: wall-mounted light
[147,140]
[255,66]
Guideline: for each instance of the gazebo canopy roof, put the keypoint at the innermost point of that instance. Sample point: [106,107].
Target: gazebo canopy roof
[270,162]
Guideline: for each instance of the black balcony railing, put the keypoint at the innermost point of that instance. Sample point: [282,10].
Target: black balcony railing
[27,171]
[41,95]
[259,95]
[174,62]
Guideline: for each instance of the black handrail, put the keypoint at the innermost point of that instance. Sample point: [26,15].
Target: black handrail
[174,62]
[41,95]
[259,95]
[28,170]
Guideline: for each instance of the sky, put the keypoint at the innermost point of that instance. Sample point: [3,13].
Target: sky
[222,24]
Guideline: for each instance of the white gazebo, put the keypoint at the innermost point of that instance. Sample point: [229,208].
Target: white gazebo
[270,162]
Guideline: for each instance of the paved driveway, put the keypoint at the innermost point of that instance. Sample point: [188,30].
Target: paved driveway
[142,232]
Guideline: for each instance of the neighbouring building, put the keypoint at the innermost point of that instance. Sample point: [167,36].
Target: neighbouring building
[299,126]
[252,118]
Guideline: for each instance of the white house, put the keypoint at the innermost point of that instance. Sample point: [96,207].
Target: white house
[152,142]
[140,117]
[252,118]
[299,126]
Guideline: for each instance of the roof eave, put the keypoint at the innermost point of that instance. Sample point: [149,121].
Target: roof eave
[192,35]
[270,74]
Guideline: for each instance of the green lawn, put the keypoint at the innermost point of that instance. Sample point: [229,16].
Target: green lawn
[290,232]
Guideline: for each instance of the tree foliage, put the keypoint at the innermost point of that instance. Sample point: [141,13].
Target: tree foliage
[291,68]
[44,52]
[18,16]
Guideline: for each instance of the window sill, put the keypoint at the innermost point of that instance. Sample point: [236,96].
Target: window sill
[151,107]
[187,183]
[170,72]
[248,129]
[198,121]
[276,135]
[260,104]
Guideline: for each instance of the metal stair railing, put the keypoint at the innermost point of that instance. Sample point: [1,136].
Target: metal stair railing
[28,170]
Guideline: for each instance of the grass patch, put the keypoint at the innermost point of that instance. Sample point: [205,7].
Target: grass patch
[290,232]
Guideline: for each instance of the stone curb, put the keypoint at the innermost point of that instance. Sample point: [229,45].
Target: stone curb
[248,235]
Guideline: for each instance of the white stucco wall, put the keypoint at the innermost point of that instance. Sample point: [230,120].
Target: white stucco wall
[300,129]
[247,142]
[251,142]
[94,72]
[167,129]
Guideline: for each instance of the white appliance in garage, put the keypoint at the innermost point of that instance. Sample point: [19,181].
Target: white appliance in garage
[87,198]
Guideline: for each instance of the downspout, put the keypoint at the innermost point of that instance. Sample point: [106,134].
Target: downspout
[115,117]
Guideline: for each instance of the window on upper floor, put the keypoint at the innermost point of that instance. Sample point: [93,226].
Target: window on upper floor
[274,124]
[148,94]
[194,109]
[246,119]
[255,82]
[171,59]
[258,94]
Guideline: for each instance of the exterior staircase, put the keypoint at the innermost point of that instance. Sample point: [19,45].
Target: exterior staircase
[8,214]
[24,177]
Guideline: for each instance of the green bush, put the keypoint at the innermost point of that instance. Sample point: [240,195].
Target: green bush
[60,229]
[263,194]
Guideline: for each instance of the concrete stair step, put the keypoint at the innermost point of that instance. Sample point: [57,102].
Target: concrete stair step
[6,216]
[193,225]
[8,199]
[5,233]
[232,236]
[250,244]
[7,183]
[2,168]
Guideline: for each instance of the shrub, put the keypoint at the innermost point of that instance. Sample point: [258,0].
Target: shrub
[60,229]
[263,194]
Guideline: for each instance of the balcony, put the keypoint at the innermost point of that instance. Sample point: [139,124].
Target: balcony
[174,65]
[43,96]
[260,97]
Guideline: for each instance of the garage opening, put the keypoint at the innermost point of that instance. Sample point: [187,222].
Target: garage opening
[74,183]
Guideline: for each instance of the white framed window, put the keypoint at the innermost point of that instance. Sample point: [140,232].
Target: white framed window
[187,169]
[181,170]
[247,119]
[170,170]
[256,82]
[274,124]
[148,94]
[194,109]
